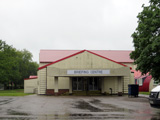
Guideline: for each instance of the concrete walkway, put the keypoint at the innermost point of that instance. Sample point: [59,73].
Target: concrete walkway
[142,95]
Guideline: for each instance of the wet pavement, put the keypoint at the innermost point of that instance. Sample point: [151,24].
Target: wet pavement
[36,107]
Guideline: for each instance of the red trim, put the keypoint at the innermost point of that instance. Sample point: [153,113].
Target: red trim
[61,59]
[30,78]
[77,54]
[106,58]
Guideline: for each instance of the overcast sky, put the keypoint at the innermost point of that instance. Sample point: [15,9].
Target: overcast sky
[69,24]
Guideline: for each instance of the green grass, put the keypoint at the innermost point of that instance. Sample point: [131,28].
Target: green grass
[17,92]
[144,93]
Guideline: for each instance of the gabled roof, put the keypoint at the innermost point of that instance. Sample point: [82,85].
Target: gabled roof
[48,56]
[77,54]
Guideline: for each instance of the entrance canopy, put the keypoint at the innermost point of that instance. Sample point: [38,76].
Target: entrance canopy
[51,71]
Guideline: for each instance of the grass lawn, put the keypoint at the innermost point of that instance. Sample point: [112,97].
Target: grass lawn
[17,92]
[144,93]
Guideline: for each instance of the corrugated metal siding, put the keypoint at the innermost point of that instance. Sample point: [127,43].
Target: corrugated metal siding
[42,81]
[42,64]
[125,83]
[145,86]
[116,85]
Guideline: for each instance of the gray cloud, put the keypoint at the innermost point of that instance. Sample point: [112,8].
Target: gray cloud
[69,24]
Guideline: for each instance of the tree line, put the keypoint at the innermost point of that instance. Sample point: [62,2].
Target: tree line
[15,66]
[146,40]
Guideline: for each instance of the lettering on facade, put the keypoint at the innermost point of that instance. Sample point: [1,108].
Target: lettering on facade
[87,72]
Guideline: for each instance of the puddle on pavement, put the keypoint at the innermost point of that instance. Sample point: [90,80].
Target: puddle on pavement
[75,116]
[110,107]
[93,109]
[5,101]
[96,106]
[16,115]
[78,116]
[86,106]
[17,118]
[12,112]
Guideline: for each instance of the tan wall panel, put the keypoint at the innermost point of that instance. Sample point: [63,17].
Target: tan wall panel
[110,82]
[30,86]
[50,82]
[42,64]
[63,82]
[123,71]
[126,81]
[42,81]
[132,81]
[85,60]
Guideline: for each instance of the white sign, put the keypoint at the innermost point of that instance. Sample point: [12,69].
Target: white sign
[87,72]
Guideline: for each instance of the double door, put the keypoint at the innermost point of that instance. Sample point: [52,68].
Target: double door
[85,83]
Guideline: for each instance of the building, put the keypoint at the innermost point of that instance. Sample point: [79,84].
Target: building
[30,84]
[78,70]
[146,82]
[63,71]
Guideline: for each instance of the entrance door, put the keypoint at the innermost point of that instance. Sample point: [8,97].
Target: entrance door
[85,83]
[77,83]
[93,83]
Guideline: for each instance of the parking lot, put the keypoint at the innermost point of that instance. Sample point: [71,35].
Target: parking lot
[37,107]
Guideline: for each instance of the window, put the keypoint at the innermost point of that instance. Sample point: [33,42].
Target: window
[140,81]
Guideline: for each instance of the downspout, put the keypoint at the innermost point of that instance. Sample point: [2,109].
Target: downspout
[123,83]
[46,80]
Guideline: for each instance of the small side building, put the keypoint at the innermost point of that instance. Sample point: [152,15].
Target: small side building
[30,84]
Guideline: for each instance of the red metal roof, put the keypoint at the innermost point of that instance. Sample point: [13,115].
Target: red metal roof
[79,53]
[31,77]
[138,74]
[48,56]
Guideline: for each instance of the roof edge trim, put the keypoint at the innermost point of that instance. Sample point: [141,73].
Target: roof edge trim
[61,59]
[30,78]
[107,58]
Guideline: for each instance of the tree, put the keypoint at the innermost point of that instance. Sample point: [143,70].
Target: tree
[146,39]
[26,66]
[7,63]
[15,65]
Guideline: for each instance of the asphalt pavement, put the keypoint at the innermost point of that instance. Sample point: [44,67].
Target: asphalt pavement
[38,107]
